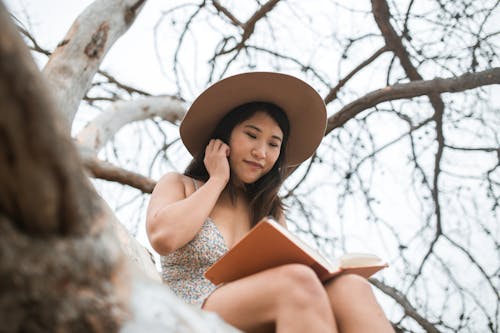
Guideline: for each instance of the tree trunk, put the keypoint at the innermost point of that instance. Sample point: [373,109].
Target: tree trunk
[60,265]
[62,268]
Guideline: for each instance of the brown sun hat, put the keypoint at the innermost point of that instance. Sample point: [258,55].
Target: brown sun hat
[304,107]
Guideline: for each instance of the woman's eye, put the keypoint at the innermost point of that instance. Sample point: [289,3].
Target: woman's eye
[253,136]
[274,144]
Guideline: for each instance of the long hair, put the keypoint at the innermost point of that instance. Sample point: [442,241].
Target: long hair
[263,193]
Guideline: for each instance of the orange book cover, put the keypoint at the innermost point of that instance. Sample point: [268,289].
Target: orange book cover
[269,245]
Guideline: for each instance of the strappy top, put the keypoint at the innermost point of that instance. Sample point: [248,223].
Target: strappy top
[182,270]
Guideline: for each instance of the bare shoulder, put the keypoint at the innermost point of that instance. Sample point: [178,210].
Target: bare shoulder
[170,187]
[175,183]
[170,179]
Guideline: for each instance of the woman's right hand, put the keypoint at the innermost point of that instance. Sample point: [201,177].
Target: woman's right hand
[216,160]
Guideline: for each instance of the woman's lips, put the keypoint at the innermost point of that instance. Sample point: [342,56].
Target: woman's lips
[254,164]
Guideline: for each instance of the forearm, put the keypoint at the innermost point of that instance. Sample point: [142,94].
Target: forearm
[177,223]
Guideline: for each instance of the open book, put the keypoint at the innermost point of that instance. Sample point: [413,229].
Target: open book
[269,245]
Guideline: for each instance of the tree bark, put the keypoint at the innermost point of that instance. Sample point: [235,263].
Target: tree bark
[104,127]
[62,268]
[73,64]
[60,265]
[411,90]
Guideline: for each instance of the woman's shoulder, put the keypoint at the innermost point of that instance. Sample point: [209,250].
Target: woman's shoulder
[172,176]
[178,180]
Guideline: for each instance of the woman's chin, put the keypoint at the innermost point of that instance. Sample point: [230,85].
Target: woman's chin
[247,179]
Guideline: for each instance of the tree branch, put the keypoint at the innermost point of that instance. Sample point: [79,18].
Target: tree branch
[332,94]
[41,192]
[107,171]
[413,89]
[249,26]
[100,130]
[227,13]
[85,46]
[408,308]
[382,17]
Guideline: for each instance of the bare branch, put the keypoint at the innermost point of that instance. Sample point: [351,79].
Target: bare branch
[332,94]
[107,171]
[227,13]
[392,40]
[409,309]
[98,132]
[413,89]
[249,27]
[120,85]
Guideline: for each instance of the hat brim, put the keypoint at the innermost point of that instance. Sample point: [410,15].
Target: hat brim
[304,107]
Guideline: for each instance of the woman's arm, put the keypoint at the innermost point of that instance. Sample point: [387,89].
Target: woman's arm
[174,218]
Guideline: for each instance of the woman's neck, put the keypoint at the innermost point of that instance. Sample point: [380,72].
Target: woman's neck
[234,195]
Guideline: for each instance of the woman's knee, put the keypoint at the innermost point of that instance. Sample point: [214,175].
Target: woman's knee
[348,285]
[300,284]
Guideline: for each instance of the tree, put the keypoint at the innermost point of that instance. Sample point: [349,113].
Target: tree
[61,264]
[424,71]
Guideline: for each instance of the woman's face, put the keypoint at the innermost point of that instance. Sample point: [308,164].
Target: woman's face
[254,147]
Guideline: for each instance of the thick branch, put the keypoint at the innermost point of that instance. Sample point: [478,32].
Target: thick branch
[85,46]
[107,171]
[411,90]
[382,16]
[98,132]
[60,265]
[111,79]
[41,191]
[394,42]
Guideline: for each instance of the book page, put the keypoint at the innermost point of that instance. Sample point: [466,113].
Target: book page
[359,260]
[329,264]
[353,259]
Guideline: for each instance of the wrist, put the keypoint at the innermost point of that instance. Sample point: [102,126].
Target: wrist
[220,181]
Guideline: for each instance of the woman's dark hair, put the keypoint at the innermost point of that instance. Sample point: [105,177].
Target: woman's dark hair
[262,194]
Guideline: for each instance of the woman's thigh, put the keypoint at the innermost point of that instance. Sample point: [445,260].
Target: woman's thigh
[252,303]
[355,306]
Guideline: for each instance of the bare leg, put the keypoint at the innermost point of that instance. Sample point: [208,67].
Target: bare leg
[290,296]
[355,306]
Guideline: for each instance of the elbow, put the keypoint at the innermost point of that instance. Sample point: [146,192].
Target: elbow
[161,245]
[161,238]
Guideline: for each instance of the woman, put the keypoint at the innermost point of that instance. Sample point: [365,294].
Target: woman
[244,132]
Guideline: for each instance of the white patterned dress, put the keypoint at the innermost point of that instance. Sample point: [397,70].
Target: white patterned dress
[182,270]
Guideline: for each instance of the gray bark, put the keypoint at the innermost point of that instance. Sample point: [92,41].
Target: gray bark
[99,131]
[61,265]
[74,63]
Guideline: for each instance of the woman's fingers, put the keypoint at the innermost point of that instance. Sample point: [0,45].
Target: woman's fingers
[216,161]
[217,146]
[222,148]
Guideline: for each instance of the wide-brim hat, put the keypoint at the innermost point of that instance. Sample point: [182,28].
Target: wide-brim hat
[302,104]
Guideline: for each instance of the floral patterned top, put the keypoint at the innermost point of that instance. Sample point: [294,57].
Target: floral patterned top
[182,270]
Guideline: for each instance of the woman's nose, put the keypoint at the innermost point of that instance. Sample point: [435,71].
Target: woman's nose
[259,151]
